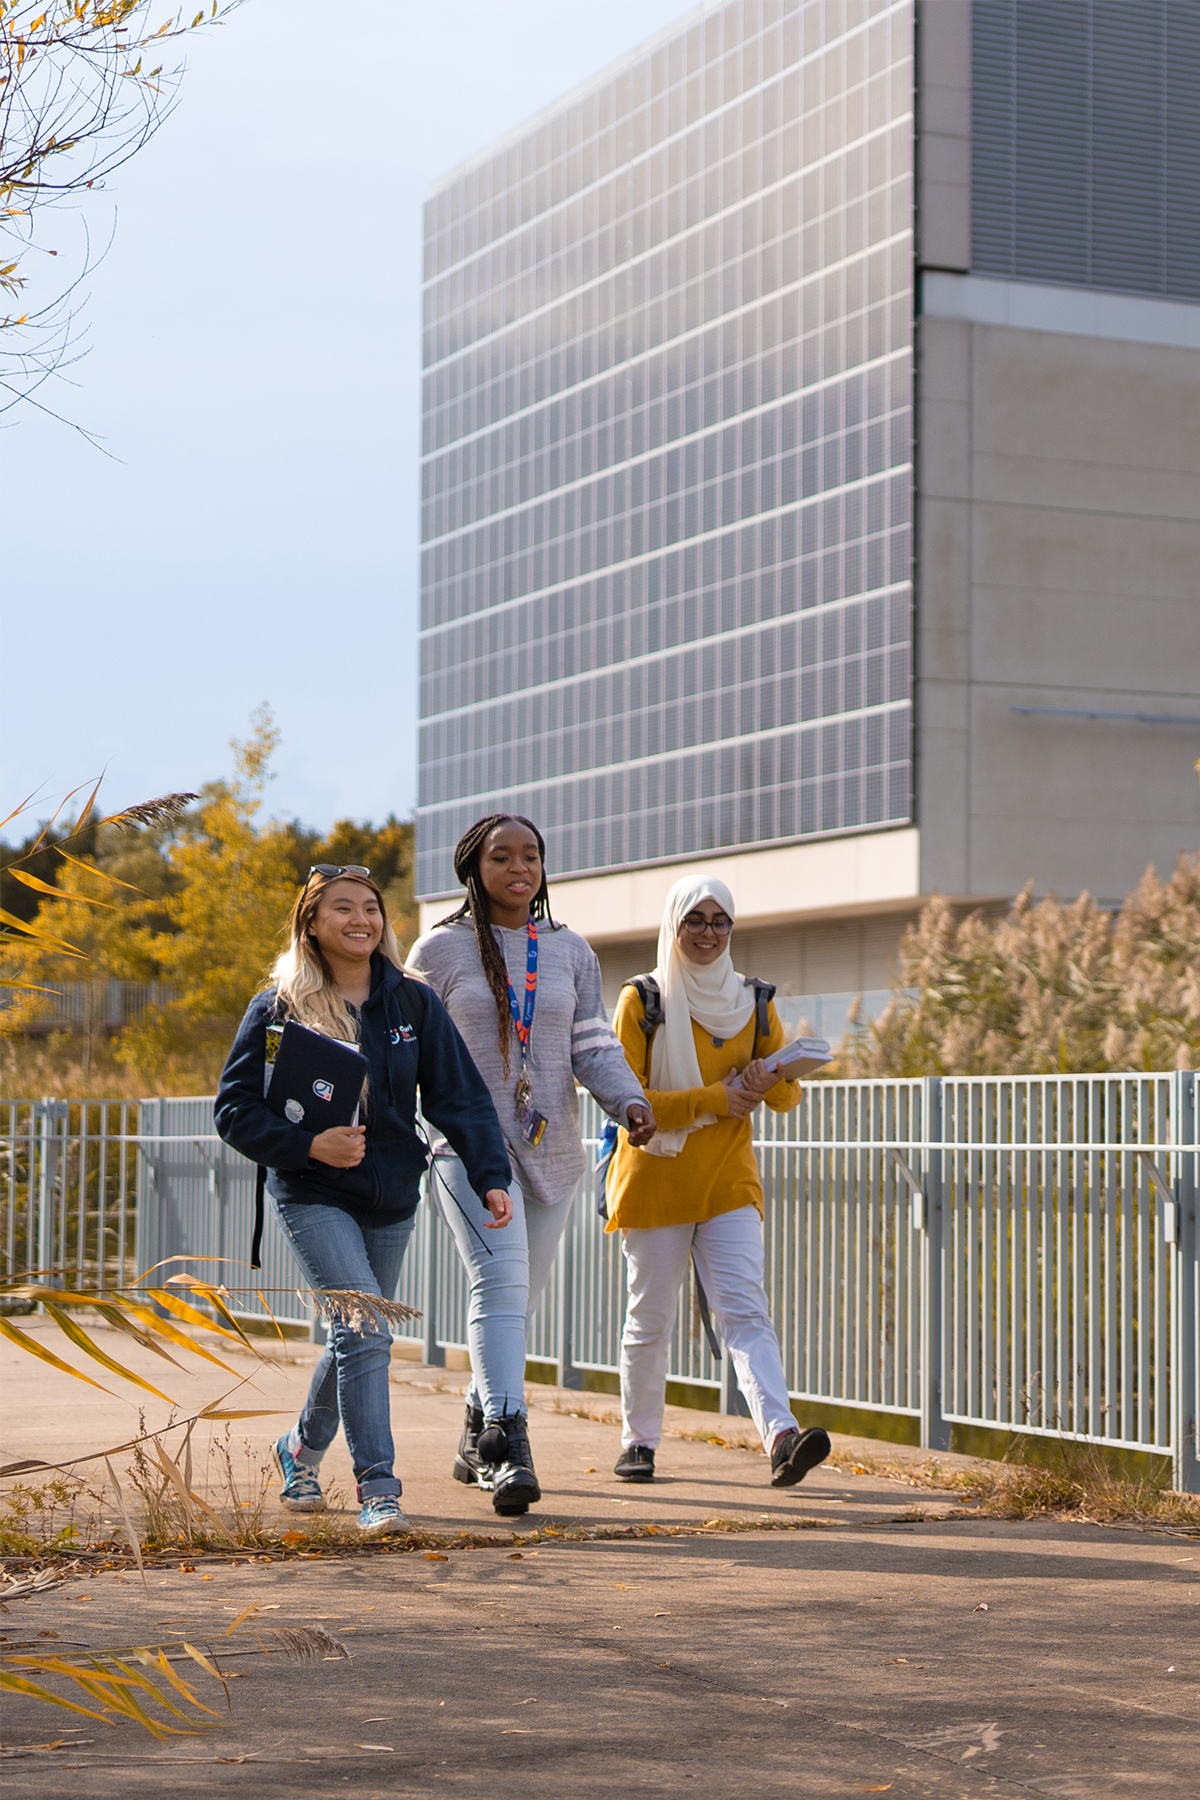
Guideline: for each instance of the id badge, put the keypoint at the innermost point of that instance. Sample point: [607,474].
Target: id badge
[533,1125]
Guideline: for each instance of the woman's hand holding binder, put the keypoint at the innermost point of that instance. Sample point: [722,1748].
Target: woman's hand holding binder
[341,1147]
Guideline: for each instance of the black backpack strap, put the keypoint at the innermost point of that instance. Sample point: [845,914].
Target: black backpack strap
[702,1307]
[277,1017]
[650,995]
[260,1183]
[764,993]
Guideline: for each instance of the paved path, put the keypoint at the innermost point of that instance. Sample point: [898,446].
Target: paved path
[853,1658]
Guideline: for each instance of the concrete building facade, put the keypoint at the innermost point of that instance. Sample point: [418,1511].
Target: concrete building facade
[812,473]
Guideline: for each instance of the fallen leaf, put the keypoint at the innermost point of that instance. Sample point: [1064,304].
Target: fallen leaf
[435,1556]
[876,1790]
[187,1568]
[589,1471]
[712,1521]
[375,1747]
[662,1615]
[517,1731]
[982,1607]
[294,1537]
[517,1556]
[894,1659]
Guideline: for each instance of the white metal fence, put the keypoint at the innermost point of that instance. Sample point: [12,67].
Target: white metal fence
[1014,1252]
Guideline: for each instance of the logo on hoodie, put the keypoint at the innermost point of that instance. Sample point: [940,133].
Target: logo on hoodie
[402,1034]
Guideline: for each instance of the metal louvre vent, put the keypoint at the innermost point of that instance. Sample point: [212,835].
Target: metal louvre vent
[1086,143]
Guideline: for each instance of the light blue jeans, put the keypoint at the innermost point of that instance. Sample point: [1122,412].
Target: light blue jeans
[336,1249]
[507,1271]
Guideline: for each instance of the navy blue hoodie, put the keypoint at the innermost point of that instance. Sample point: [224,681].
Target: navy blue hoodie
[409,1041]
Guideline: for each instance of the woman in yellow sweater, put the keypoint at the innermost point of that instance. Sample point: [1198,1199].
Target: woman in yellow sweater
[695,1189]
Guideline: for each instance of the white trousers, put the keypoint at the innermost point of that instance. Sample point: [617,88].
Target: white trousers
[729,1256]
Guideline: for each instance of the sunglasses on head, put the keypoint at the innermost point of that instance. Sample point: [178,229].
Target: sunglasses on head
[331,870]
[696,925]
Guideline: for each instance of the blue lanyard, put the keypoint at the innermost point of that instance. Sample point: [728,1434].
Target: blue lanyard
[524,1019]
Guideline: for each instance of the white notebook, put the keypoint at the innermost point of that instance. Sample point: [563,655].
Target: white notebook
[810,1053]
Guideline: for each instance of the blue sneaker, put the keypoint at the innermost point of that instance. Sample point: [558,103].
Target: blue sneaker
[381,1515]
[301,1488]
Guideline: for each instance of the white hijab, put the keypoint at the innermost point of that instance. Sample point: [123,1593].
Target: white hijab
[712,994]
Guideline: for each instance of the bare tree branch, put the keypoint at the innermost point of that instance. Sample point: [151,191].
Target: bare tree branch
[78,99]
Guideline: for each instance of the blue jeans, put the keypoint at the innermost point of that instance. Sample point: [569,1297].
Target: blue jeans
[350,1383]
[505,1285]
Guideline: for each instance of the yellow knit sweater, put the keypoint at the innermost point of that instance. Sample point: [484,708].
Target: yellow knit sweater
[715,1172]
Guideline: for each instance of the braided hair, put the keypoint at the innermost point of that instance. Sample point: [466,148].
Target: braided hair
[475,907]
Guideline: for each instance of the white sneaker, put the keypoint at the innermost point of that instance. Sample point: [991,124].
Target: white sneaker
[301,1485]
[381,1515]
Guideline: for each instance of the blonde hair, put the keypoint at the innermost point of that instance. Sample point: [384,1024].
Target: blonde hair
[303,979]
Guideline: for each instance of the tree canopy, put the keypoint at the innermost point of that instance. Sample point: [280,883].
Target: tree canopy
[197,906]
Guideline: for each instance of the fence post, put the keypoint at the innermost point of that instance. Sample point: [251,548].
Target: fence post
[1186,1295]
[50,1113]
[935,1432]
[148,1222]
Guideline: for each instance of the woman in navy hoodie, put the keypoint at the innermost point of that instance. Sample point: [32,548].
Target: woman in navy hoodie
[347,1197]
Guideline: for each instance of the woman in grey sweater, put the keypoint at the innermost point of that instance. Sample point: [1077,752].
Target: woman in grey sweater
[525,994]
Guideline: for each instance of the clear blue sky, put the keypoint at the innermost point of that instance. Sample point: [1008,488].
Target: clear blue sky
[255,372]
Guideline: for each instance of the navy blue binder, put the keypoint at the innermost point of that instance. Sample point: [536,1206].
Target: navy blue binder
[314,1081]
[310,1080]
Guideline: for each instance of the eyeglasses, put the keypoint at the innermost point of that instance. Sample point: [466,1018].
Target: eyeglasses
[329,870]
[696,925]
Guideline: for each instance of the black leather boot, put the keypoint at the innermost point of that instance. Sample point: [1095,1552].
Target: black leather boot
[506,1466]
[466,1463]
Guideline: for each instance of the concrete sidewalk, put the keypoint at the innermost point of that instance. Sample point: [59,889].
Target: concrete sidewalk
[575,1445]
[856,1656]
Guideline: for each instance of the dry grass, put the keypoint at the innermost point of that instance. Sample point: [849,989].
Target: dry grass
[1079,1486]
[325,1535]
[57,1518]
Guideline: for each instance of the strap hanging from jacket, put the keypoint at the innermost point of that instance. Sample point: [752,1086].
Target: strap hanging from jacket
[260,1183]
[714,1342]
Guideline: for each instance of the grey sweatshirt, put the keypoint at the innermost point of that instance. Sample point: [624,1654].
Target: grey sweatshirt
[570,1041]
